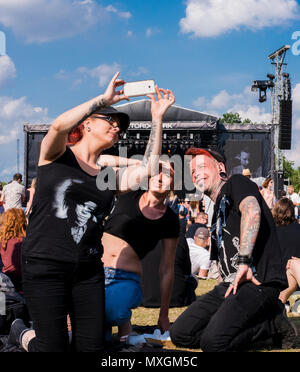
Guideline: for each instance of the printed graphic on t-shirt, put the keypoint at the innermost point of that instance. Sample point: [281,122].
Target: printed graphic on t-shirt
[79,213]
[222,237]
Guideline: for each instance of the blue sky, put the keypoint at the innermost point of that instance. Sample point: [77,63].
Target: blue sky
[60,53]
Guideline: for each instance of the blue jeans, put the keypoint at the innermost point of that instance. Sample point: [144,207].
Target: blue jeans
[122,293]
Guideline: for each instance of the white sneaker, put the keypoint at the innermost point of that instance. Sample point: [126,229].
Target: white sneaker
[135,340]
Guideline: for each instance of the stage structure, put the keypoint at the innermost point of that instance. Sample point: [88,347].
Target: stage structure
[182,128]
[281,95]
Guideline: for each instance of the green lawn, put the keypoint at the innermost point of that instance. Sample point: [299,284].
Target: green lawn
[148,316]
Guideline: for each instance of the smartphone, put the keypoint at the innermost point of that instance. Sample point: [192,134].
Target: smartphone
[139,88]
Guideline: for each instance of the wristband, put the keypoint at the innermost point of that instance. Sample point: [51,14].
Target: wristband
[244,260]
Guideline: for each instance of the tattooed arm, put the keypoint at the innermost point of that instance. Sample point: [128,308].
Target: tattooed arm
[250,223]
[131,177]
[107,160]
[54,143]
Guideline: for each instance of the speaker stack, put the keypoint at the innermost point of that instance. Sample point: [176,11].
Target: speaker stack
[285,124]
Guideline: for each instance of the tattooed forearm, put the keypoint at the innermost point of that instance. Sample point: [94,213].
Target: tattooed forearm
[95,106]
[250,223]
[154,143]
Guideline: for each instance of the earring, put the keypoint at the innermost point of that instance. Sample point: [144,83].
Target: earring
[88,129]
[223,176]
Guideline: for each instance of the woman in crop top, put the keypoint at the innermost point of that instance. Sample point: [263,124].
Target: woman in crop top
[62,268]
[139,221]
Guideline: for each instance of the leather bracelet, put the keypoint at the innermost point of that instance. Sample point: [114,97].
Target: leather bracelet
[244,260]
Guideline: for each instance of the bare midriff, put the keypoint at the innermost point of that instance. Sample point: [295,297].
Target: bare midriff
[120,255]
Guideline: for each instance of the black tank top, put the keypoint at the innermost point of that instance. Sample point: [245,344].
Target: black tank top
[66,223]
[128,223]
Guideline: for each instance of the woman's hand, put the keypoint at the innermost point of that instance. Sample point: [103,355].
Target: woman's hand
[165,99]
[113,96]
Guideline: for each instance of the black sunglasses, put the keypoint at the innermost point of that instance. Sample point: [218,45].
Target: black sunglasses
[111,121]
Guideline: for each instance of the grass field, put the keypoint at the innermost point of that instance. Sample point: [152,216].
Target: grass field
[148,317]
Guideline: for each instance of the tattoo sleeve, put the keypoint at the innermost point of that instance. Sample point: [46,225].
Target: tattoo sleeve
[95,106]
[250,223]
[153,145]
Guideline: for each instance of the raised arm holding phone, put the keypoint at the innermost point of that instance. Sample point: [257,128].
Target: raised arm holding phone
[61,257]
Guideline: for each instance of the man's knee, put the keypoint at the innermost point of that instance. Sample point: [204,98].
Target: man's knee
[210,343]
[182,337]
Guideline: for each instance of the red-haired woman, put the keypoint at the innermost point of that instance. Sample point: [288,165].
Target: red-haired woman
[12,232]
[61,256]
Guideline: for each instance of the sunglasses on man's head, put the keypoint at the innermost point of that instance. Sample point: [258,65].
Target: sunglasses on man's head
[112,121]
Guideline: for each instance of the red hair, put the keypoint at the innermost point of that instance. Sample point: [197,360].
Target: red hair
[13,226]
[196,151]
[75,135]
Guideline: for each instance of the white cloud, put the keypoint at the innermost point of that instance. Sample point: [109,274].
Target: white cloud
[112,9]
[293,154]
[207,18]
[102,73]
[39,21]
[257,114]
[139,72]
[14,112]
[8,171]
[296,123]
[296,97]
[151,31]
[7,70]
[244,103]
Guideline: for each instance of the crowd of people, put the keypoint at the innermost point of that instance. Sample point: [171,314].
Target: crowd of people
[75,252]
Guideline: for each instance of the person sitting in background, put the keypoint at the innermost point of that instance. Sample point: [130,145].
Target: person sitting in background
[288,233]
[31,191]
[12,232]
[293,272]
[200,221]
[199,254]
[268,193]
[294,198]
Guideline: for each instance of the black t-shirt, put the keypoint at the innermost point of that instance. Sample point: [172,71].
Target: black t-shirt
[128,223]
[266,255]
[192,229]
[66,222]
[182,266]
[289,240]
